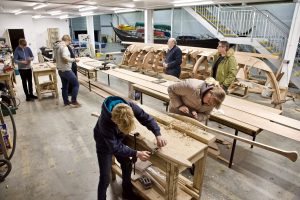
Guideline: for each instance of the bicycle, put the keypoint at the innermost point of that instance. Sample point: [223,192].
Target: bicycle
[7,148]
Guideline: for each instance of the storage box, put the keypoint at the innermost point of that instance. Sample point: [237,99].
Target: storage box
[5,135]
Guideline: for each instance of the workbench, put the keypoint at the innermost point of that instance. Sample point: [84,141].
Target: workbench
[239,114]
[89,67]
[171,160]
[109,56]
[9,79]
[50,86]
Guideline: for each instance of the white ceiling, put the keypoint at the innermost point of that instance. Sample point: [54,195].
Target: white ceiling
[71,7]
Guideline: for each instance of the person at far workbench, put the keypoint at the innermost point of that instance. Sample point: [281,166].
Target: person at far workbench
[195,98]
[224,68]
[64,65]
[173,59]
[23,57]
[115,122]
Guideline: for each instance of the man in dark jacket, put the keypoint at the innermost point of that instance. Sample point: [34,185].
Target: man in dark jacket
[173,59]
[74,68]
[115,122]
[23,57]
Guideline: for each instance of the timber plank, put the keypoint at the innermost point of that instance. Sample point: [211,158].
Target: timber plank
[260,111]
[262,123]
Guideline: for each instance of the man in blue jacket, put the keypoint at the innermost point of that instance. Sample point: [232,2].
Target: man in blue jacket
[115,122]
[173,59]
[23,57]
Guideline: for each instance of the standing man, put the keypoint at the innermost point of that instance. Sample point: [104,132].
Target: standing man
[224,68]
[117,120]
[173,59]
[23,57]
[64,66]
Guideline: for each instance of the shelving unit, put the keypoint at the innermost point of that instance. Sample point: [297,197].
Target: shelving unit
[53,36]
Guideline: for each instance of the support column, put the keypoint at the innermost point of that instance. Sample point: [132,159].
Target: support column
[291,48]
[181,21]
[172,19]
[149,26]
[90,32]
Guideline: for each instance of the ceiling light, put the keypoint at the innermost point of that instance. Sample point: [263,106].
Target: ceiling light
[125,10]
[19,12]
[36,16]
[79,6]
[186,1]
[15,11]
[88,8]
[193,4]
[86,13]
[64,17]
[91,2]
[55,12]
[40,6]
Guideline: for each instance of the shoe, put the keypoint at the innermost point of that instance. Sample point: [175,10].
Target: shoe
[28,98]
[33,96]
[130,196]
[75,104]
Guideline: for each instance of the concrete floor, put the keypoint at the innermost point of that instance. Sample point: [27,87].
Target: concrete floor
[55,156]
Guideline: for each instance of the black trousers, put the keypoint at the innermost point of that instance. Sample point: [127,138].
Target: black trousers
[26,76]
[105,163]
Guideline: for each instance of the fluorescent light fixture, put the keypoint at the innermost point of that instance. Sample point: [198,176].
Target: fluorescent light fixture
[91,2]
[19,12]
[86,13]
[37,16]
[193,4]
[79,6]
[55,12]
[64,17]
[186,1]
[125,10]
[40,6]
[88,8]
[15,11]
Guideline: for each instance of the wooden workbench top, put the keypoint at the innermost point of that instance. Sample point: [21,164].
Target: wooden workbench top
[246,112]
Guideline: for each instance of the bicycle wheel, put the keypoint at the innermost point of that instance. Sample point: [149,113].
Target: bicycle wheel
[11,129]
[4,169]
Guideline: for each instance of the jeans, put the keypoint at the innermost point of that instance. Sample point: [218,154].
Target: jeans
[26,76]
[66,78]
[105,162]
[74,69]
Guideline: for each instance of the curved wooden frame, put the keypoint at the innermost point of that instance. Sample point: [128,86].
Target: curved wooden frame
[147,57]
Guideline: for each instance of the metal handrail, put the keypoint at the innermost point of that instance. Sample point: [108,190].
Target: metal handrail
[247,21]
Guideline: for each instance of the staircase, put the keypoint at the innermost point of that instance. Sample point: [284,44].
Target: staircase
[244,25]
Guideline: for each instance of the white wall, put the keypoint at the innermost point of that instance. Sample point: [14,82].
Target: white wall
[41,26]
[35,30]
[185,24]
[283,11]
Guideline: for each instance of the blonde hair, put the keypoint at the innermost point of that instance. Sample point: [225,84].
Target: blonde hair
[66,38]
[123,116]
[218,94]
